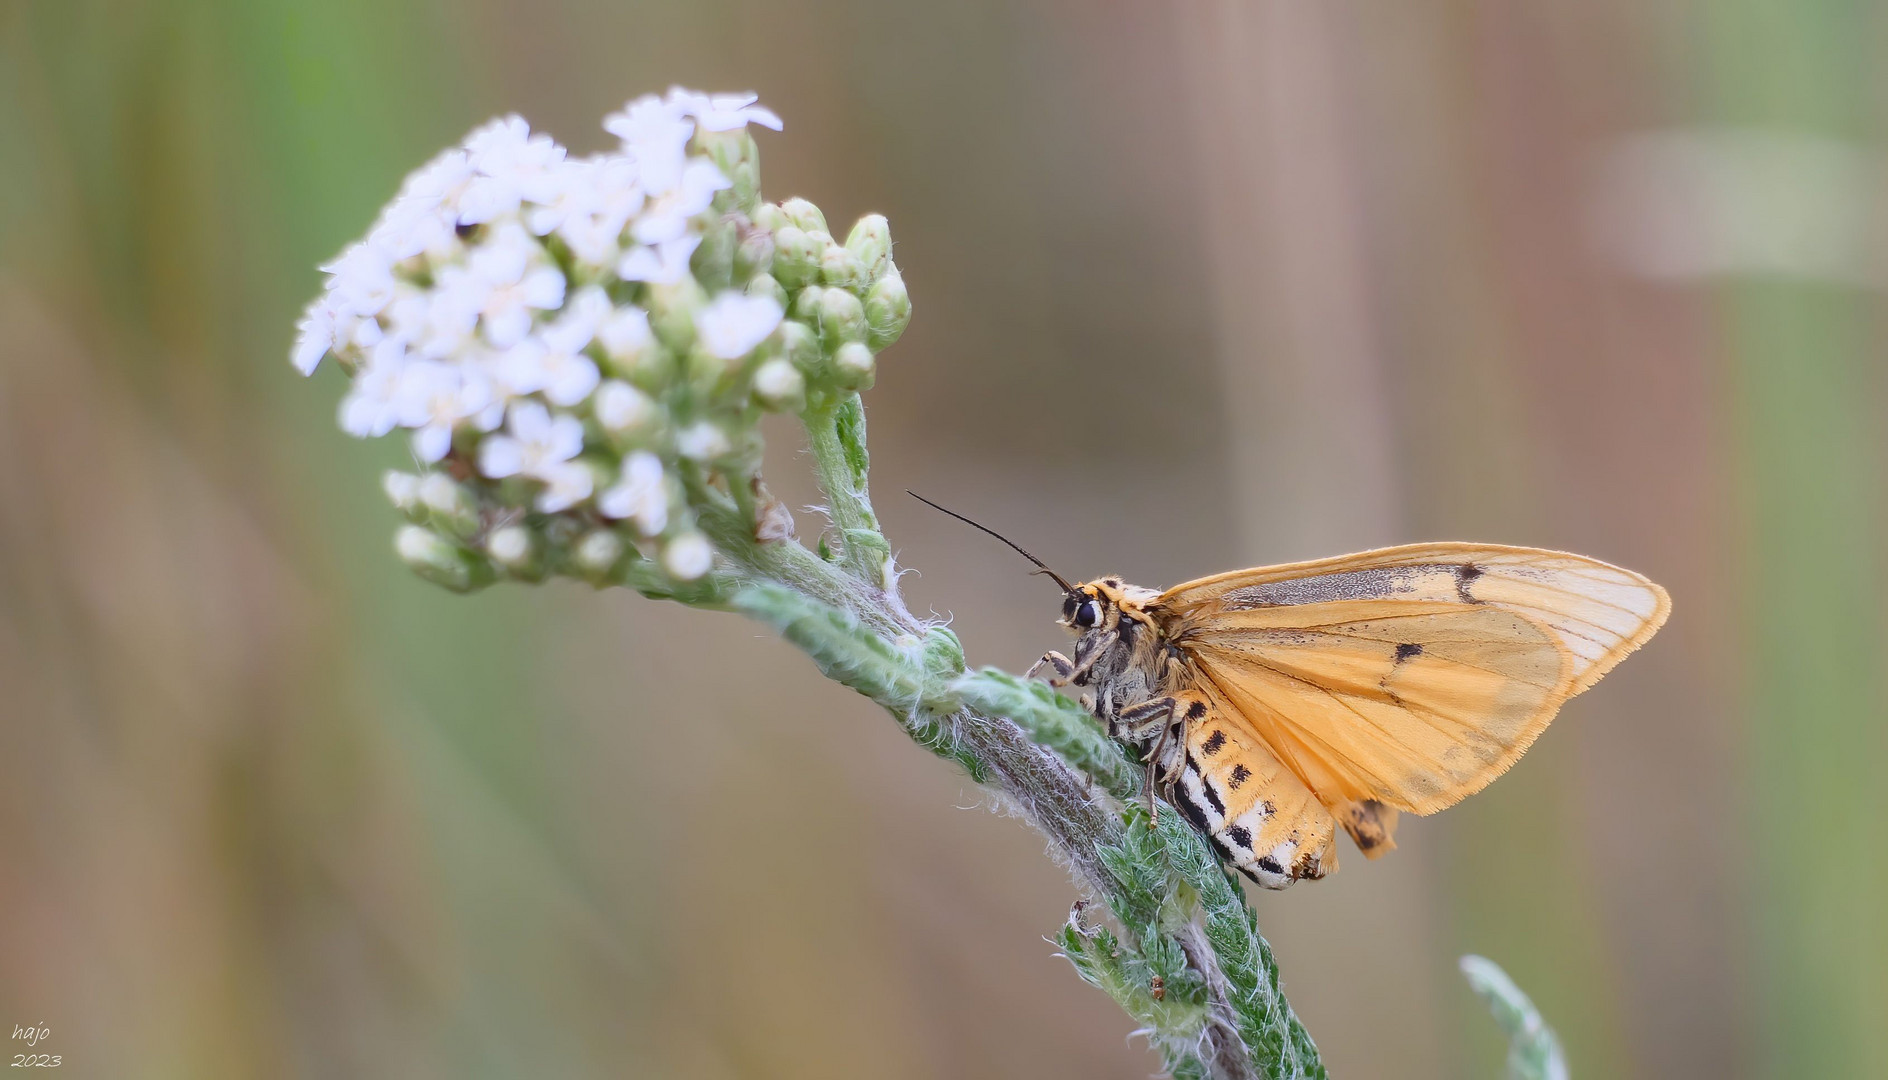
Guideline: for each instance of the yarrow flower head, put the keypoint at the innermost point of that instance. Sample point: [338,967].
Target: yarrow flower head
[579,347]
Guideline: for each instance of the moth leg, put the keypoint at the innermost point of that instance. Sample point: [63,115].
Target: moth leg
[1064,668]
[1087,651]
[1136,722]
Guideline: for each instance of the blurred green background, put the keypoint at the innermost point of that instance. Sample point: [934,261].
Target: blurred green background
[1197,286]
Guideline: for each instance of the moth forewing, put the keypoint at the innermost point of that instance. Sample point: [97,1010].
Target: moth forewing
[1278,703]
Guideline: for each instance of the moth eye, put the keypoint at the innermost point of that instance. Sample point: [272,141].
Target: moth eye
[1085,615]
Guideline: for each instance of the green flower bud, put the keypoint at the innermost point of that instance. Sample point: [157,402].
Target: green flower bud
[597,554]
[780,386]
[688,556]
[806,303]
[713,262]
[441,561]
[624,411]
[801,345]
[449,505]
[796,257]
[887,309]
[805,215]
[841,317]
[755,255]
[765,285]
[841,268]
[672,312]
[770,217]
[745,194]
[855,365]
[517,551]
[871,243]
[403,491]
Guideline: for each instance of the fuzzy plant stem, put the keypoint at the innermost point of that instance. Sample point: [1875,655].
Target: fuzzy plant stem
[1186,959]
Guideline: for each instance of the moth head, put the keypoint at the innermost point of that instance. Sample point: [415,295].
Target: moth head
[1102,604]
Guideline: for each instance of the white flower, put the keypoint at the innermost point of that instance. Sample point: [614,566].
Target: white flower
[314,335]
[724,112]
[509,277]
[567,483]
[621,407]
[688,556]
[664,264]
[625,334]
[363,281]
[594,202]
[568,376]
[434,398]
[534,443]
[732,324]
[415,225]
[655,133]
[702,441]
[372,405]
[667,215]
[514,165]
[641,495]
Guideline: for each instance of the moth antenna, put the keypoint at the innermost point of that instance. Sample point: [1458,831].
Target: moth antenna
[1041,567]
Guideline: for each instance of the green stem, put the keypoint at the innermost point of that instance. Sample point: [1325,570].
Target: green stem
[1220,1013]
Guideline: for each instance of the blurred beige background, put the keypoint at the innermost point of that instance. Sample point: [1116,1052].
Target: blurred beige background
[1197,286]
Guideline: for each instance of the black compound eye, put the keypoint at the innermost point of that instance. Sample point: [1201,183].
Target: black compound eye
[1086,615]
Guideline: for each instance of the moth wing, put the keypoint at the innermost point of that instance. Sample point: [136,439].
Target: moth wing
[1409,677]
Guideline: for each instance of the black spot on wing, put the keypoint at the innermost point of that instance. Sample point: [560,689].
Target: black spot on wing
[1271,865]
[1196,710]
[1214,743]
[1241,835]
[1408,651]
[1466,575]
[1240,774]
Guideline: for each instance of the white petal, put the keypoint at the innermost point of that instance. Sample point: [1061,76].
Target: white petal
[430,443]
[500,456]
[577,377]
[733,324]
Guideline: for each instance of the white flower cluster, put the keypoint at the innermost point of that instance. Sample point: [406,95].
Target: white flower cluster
[564,337]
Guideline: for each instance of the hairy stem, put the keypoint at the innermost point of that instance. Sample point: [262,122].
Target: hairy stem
[1190,963]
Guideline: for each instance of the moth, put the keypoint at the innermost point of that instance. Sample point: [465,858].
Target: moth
[1273,705]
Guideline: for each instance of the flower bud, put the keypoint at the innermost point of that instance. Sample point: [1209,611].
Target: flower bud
[713,261]
[672,312]
[688,556]
[840,268]
[796,257]
[841,317]
[517,551]
[871,243]
[755,255]
[806,304]
[403,491]
[780,386]
[800,344]
[765,285]
[597,554]
[854,365]
[805,215]
[703,440]
[624,410]
[769,216]
[450,505]
[887,309]
[441,561]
